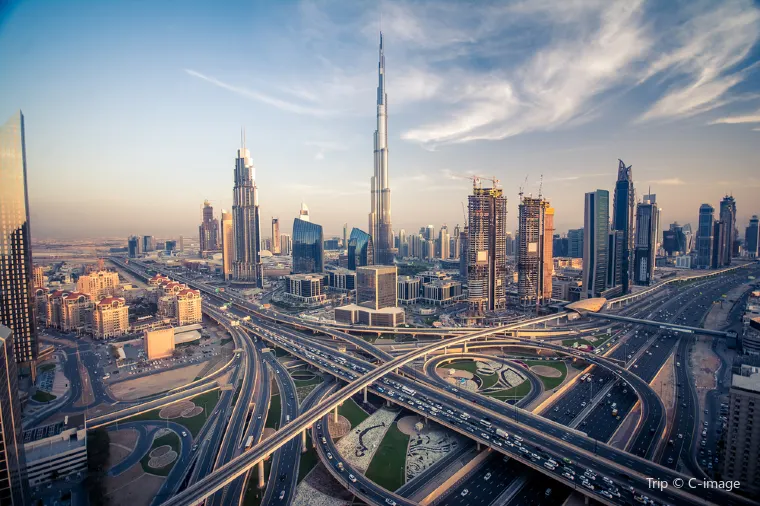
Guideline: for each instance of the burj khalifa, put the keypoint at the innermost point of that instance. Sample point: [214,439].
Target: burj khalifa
[380,214]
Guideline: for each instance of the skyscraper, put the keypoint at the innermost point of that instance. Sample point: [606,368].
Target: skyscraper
[705,236]
[575,243]
[308,247]
[303,213]
[286,244]
[380,212]
[376,286]
[133,246]
[534,267]
[149,243]
[246,221]
[276,244]
[13,484]
[16,270]
[596,225]
[360,249]
[345,236]
[622,219]
[615,253]
[228,245]
[486,250]
[728,216]
[646,242]
[751,237]
[443,238]
[674,240]
[208,230]
[719,249]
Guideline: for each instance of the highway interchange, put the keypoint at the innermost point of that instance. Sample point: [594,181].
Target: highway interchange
[540,448]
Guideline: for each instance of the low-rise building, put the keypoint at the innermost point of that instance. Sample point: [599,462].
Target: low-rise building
[341,280]
[385,317]
[110,318]
[683,262]
[566,288]
[159,343]
[409,289]
[751,337]
[56,450]
[442,292]
[305,288]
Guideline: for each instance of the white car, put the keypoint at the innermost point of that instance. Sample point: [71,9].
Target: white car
[464,492]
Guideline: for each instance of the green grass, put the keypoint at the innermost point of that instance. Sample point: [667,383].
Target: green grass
[194,424]
[46,367]
[387,466]
[171,439]
[42,396]
[548,382]
[225,341]
[316,380]
[516,392]
[570,342]
[253,495]
[352,412]
[461,365]
[275,410]
[601,339]
[308,460]
[488,380]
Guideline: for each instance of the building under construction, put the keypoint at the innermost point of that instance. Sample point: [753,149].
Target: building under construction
[535,263]
[486,250]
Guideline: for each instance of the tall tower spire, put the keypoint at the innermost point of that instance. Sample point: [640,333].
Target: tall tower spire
[380,210]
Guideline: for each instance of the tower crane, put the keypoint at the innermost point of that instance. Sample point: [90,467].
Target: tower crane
[476,180]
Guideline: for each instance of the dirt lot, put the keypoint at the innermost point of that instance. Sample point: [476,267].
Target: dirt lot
[122,443]
[140,387]
[544,370]
[664,385]
[133,487]
[704,364]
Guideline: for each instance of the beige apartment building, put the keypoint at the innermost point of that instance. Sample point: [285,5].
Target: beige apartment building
[110,318]
[39,277]
[159,343]
[188,307]
[99,284]
[69,311]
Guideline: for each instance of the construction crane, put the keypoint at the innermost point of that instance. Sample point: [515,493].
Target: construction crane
[464,214]
[522,186]
[476,180]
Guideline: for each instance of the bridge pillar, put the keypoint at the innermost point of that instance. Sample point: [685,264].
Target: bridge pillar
[465,346]
[365,395]
[478,446]
[335,414]
[585,499]
[262,483]
[304,448]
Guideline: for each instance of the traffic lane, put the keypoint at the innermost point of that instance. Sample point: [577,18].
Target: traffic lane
[485,485]
[540,491]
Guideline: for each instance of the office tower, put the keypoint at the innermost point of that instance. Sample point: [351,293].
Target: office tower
[752,237]
[208,230]
[182,243]
[133,246]
[622,218]
[14,490]
[148,243]
[98,284]
[740,462]
[16,290]
[689,237]
[645,243]
[728,216]
[705,236]
[303,213]
[286,244]
[596,224]
[228,246]
[345,236]
[380,211]
[456,243]
[39,277]
[651,197]
[246,221]
[486,250]
[443,238]
[463,243]
[575,243]
[276,241]
[674,240]
[615,253]
[560,245]
[720,239]
[534,267]
[308,247]
[376,286]
[360,249]
[170,246]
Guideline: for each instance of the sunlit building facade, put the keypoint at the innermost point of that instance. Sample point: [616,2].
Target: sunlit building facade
[308,247]
[110,318]
[360,249]
[99,284]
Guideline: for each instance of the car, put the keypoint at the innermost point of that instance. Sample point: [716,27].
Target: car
[195,447]
[680,436]
[282,495]
[568,476]
[184,434]
[329,456]
[390,501]
[487,476]
[464,492]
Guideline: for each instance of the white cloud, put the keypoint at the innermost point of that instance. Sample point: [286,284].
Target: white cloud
[324,147]
[673,181]
[705,62]
[746,118]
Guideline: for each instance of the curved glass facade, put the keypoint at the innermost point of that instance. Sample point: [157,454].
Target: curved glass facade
[308,247]
[360,249]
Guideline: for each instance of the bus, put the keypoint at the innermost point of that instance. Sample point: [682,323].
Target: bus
[408,391]
[341,360]
[249,443]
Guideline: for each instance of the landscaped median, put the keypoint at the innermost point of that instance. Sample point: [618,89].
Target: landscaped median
[191,413]
[543,369]
[389,463]
[162,454]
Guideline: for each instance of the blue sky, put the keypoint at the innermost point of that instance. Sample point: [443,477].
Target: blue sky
[134,109]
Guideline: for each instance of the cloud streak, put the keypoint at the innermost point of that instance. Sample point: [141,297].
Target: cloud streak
[731,120]
[673,181]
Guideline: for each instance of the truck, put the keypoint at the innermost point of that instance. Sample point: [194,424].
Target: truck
[246,318]
[614,412]
[249,442]
[502,433]
[408,391]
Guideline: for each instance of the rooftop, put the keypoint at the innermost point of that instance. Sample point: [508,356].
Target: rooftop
[70,422]
[749,379]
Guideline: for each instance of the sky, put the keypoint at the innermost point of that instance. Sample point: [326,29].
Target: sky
[134,109]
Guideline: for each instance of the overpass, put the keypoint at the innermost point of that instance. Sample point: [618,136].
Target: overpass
[665,325]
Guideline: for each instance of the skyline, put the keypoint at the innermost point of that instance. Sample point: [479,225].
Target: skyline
[679,115]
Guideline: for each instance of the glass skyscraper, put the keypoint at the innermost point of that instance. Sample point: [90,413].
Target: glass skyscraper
[596,227]
[16,294]
[646,242]
[308,247]
[752,237]
[13,485]
[705,236]
[622,218]
[360,249]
